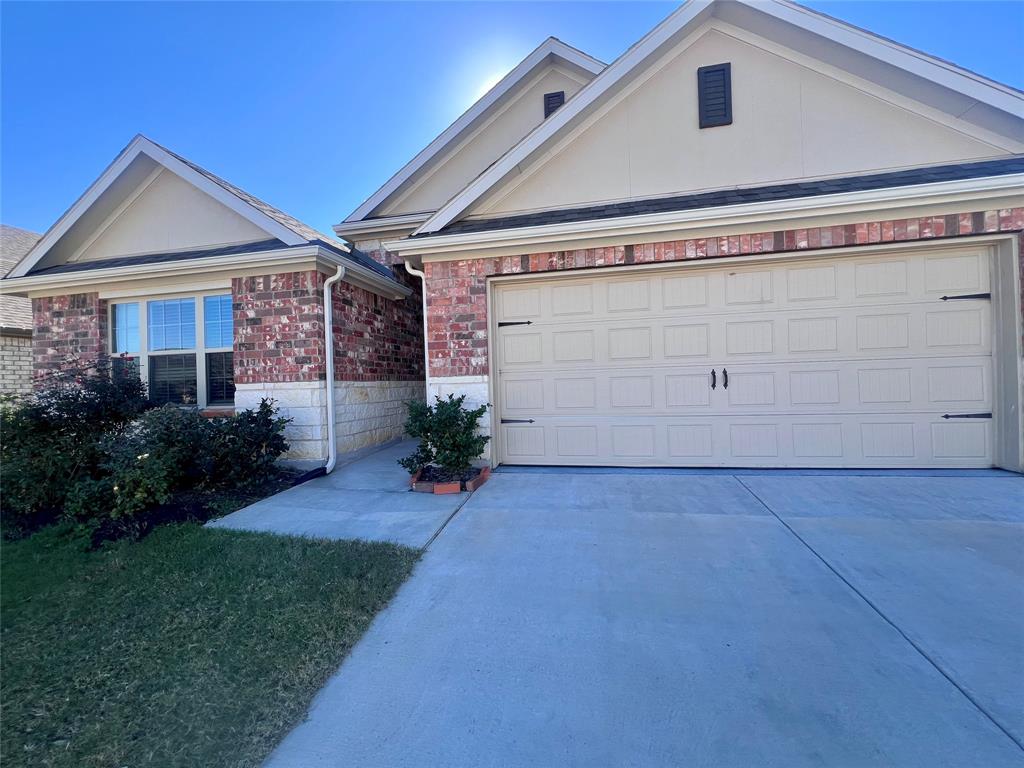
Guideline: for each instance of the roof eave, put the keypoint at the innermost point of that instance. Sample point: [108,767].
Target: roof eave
[766,215]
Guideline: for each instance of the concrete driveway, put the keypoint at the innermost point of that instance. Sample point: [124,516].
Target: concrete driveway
[697,619]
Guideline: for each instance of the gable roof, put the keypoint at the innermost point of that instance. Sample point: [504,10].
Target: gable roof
[993,106]
[279,226]
[740,196]
[551,50]
[15,312]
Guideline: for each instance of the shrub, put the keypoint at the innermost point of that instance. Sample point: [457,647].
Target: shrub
[85,448]
[53,439]
[247,445]
[447,433]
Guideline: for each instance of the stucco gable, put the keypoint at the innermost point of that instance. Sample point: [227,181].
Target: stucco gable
[488,129]
[168,214]
[981,118]
[791,120]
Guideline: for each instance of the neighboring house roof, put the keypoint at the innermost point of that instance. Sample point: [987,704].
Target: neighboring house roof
[551,50]
[278,225]
[739,196]
[15,312]
[991,106]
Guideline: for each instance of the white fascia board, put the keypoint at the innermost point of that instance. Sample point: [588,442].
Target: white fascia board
[69,282]
[283,258]
[946,75]
[217,192]
[762,214]
[141,145]
[79,207]
[354,229]
[364,277]
[587,95]
[552,47]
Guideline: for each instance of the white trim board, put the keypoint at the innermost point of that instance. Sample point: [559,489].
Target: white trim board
[140,145]
[996,191]
[975,89]
[551,49]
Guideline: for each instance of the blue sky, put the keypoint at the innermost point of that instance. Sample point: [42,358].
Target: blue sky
[313,106]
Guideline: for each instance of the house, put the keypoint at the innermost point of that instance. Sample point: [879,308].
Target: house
[15,317]
[760,237]
[219,300]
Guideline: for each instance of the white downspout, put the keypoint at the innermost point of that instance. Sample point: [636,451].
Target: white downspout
[426,349]
[332,447]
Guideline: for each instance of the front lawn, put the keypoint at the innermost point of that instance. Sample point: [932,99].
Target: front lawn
[191,647]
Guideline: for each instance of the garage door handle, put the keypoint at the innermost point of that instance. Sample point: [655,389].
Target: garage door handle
[714,380]
[725,379]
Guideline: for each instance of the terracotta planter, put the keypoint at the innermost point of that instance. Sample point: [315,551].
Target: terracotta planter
[414,477]
[476,482]
[453,487]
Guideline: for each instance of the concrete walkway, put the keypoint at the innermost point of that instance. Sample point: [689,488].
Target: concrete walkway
[644,619]
[366,499]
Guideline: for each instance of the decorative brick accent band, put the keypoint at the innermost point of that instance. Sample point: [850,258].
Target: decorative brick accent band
[457,290]
[279,327]
[72,327]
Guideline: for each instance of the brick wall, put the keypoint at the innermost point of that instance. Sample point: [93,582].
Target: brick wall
[279,327]
[72,327]
[457,290]
[15,364]
[376,339]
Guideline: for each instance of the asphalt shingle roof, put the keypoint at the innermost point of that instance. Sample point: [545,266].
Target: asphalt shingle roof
[301,229]
[738,196]
[160,258]
[15,311]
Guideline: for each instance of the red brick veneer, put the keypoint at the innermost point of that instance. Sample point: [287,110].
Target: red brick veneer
[279,328]
[457,290]
[67,328]
[376,339]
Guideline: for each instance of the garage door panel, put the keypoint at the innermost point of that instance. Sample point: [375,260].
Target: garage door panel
[840,362]
[830,440]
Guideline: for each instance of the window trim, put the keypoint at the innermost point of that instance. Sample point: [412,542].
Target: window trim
[200,350]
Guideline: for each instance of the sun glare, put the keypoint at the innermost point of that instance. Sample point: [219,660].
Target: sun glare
[487,84]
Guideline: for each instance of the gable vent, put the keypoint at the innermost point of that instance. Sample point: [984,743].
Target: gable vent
[553,101]
[714,95]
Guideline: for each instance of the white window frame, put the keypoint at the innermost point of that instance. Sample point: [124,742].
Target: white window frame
[200,350]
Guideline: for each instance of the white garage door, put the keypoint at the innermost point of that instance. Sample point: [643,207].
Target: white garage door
[845,362]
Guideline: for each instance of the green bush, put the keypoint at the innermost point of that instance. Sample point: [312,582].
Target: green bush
[84,448]
[246,447]
[53,439]
[447,433]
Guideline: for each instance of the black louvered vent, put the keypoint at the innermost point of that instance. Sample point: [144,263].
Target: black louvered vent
[553,101]
[714,95]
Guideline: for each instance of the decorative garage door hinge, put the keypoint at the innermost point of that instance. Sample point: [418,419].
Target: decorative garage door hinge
[504,323]
[968,296]
[517,421]
[967,415]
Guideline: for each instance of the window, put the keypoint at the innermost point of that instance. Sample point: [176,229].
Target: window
[553,101]
[714,95]
[179,364]
[218,323]
[124,324]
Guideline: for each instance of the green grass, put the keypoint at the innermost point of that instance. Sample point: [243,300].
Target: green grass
[192,647]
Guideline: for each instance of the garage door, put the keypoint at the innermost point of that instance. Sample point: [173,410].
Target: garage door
[845,362]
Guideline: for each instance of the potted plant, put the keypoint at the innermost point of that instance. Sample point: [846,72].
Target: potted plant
[449,444]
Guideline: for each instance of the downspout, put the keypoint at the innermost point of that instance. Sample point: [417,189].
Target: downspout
[332,447]
[426,350]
